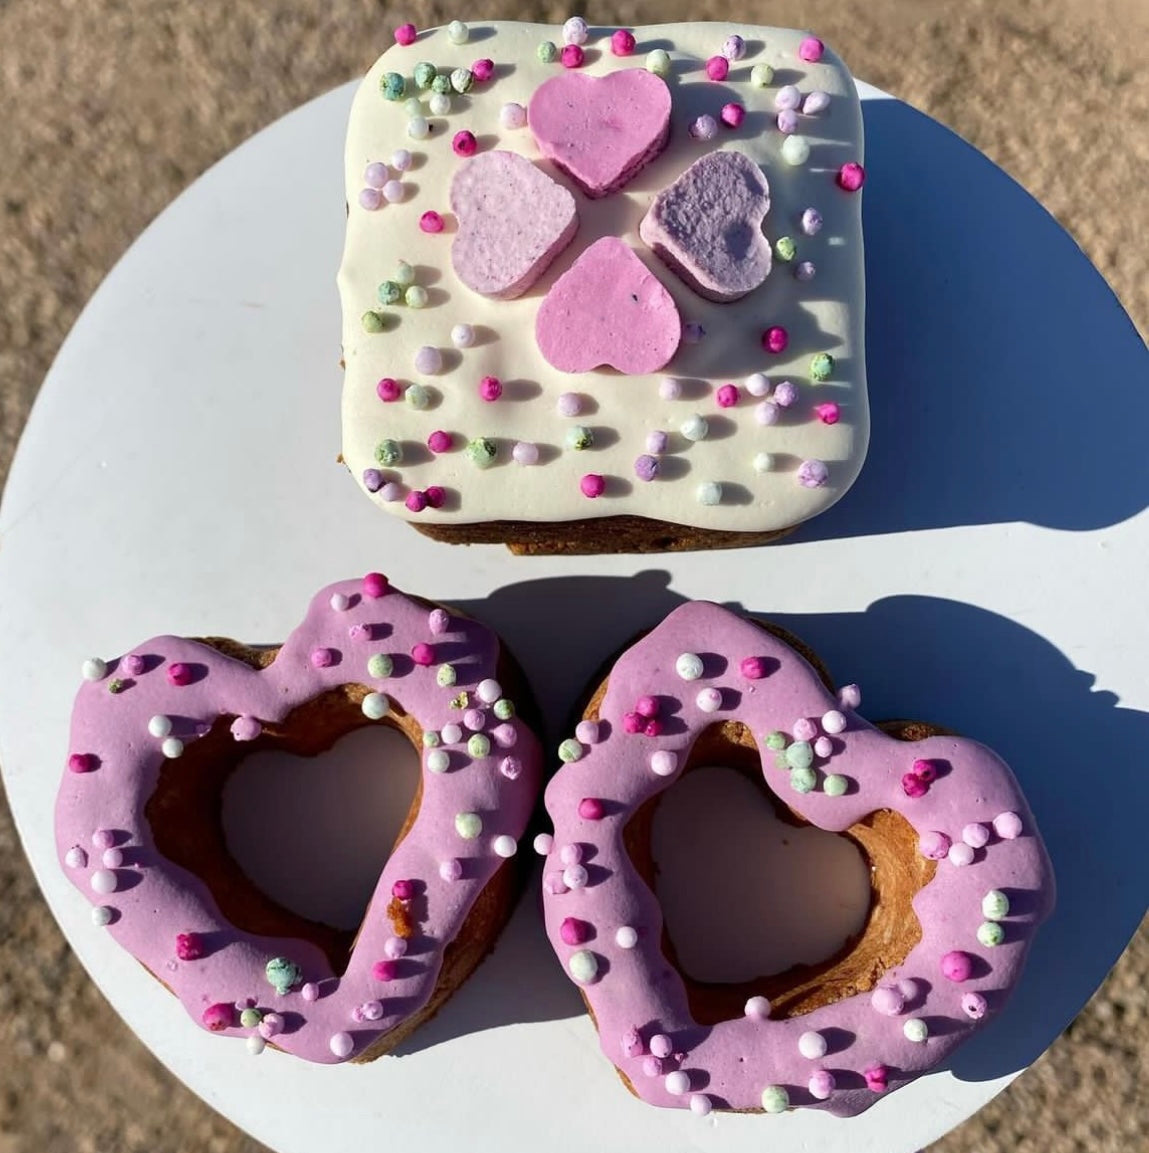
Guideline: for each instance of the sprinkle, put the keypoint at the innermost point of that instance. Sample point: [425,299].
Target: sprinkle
[219,1016]
[975,835]
[272,1025]
[822,366]
[525,453]
[505,846]
[133,664]
[709,493]
[887,1001]
[373,480]
[700,1104]
[431,221]
[646,467]
[785,248]
[572,56]
[464,143]
[457,32]
[775,339]
[705,127]
[916,1030]
[957,966]
[438,761]
[805,270]
[761,75]
[787,98]
[570,750]
[1007,826]
[543,844]
[821,1084]
[104,881]
[815,103]
[180,674]
[850,696]
[960,855]
[974,1005]
[481,452]
[995,905]
[462,80]
[341,1044]
[249,1018]
[575,31]
[401,160]
[583,966]
[483,69]
[102,915]
[462,336]
[658,62]
[835,785]
[678,1082]
[669,388]
[547,52]
[914,786]
[688,666]
[392,86]
[380,665]
[591,809]
[787,121]
[785,394]
[775,1099]
[663,763]
[479,745]
[172,748]
[452,734]
[717,68]
[373,322]
[468,825]
[282,974]
[804,729]
[569,404]
[441,85]
[813,474]
[709,700]
[571,854]
[393,191]
[876,1078]
[695,427]
[435,496]
[800,755]
[622,42]
[424,75]
[375,706]
[803,780]
[812,1045]
[451,869]
[592,485]
[323,658]
[823,747]
[734,48]
[439,441]
[626,937]
[416,297]
[405,35]
[512,116]
[828,412]
[76,858]
[811,49]
[94,669]
[851,177]
[575,876]
[370,200]
[83,762]
[757,1007]
[933,845]
[775,740]
[762,462]
[490,388]
[727,396]
[795,150]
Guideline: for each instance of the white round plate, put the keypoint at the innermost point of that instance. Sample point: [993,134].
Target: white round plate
[179,475]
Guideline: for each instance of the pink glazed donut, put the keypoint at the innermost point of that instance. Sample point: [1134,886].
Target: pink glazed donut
[960,877]
[157,732]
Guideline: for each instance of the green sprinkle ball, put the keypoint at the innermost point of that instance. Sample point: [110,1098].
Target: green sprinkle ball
[775,740]
[821,366]
[570,750]
[468,825]
[373,322]
[994,905]
[431,739]
[479,745]
[388,453]
[835,785]
[800,755]
[415,296]
[658,62]
[579,438]
[761,75]
[441,85]
[404,274]
[775,1099]
[460,702]
[803,780]
[481,452]
[380,666]
[445,676]
[504,709]
[282,974]
[418,396]
[249,1018]
[389,292]
[548,53]
[392,85]
[785,248]
[990,934]
[425,74]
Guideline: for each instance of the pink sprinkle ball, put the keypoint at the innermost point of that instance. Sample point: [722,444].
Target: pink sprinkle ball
[974,1006]
[704,128]
[732,115]
[787,97]
[572,56]
[631,1042]
[375,585]
[657,442]
[646,467]
[632,723]
[180,674]
[416,501]
[189,946]
[785,394]
[271,1026]
[821,1084]
[482,70]
[219,1016]
[464,144]
[571,854]
[405,35]
[661,1045]
[914,786]
[934,845]
[451,870]
[622,42]
[103,838]
[823,747]
[435,495]
[787,122]
[388,390]
[828,413]
[525,453]
[652,1066]
[431,221]
[811,49]
[975,835]
[370,199]
[82,763]
[439,441]
[957,966]
[512,115]
[133,664]
[510,767]
[767,412]
[653,727]
[727,396]
[574,932]
[734,48]
[775,339]
[323,658]
[815,103]
[811,222]
[491,388]
[403,890]
[592,484]
[569,404]
[960,855]
[1007,826]
[423,654]
[375,175]
[924,770]
[877,1078]
[805,729]
[591,809]
[887,1001]
[309,992]
[752,668]
[717,68]
[647,706]
[851,177]
[587,732]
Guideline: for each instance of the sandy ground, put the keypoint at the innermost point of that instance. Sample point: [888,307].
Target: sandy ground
[108,108]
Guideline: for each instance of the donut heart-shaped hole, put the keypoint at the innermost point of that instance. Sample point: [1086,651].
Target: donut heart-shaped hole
[190,818]
[887,846]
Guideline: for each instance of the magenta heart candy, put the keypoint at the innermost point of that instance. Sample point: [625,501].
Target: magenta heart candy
[707,226]
[513,221]
[608,308]
[601,130]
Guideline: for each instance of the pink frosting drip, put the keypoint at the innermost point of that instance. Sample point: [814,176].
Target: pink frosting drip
[637,989]
[156,903]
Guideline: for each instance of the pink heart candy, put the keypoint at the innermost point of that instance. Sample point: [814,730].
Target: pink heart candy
[513,221]
[601,130]
[608,308]
[707,226]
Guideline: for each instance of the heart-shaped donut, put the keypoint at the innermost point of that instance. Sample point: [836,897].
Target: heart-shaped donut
[601,130]
[960,877]
[156,733]
[500,250]
[707,226]
[609,309]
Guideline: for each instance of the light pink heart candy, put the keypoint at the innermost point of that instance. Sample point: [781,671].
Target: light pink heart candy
[601,130]
[513,221]
[707,226]
[608,308]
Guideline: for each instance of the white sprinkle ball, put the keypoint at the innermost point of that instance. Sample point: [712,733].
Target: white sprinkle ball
[787,98]
[700,1104]
[669,388]
[172,748]
[583,966]
[688,666]
[489,691]
[160,726]
[763,462]
[341,1044]
[709,493]
[393,191]
[812,1045]
[428,360]
[575,31]
[419,129]
[975,835]
[626,937]
[439,104]
[960,854]
[575,876]
[104,881]
[512,116]
[709,700]
[94,669]
[916,1030]
[101,916]
[452,734]
[663,763]
[114,858]
[401,160]
[462,336]
[795,150]
[375,706]
[677,1083]
[543,844]
[850,696]
[757,1007]
[438,761]
[695,427]
[457,32]
[504,846]
[75,858]
[757,384]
